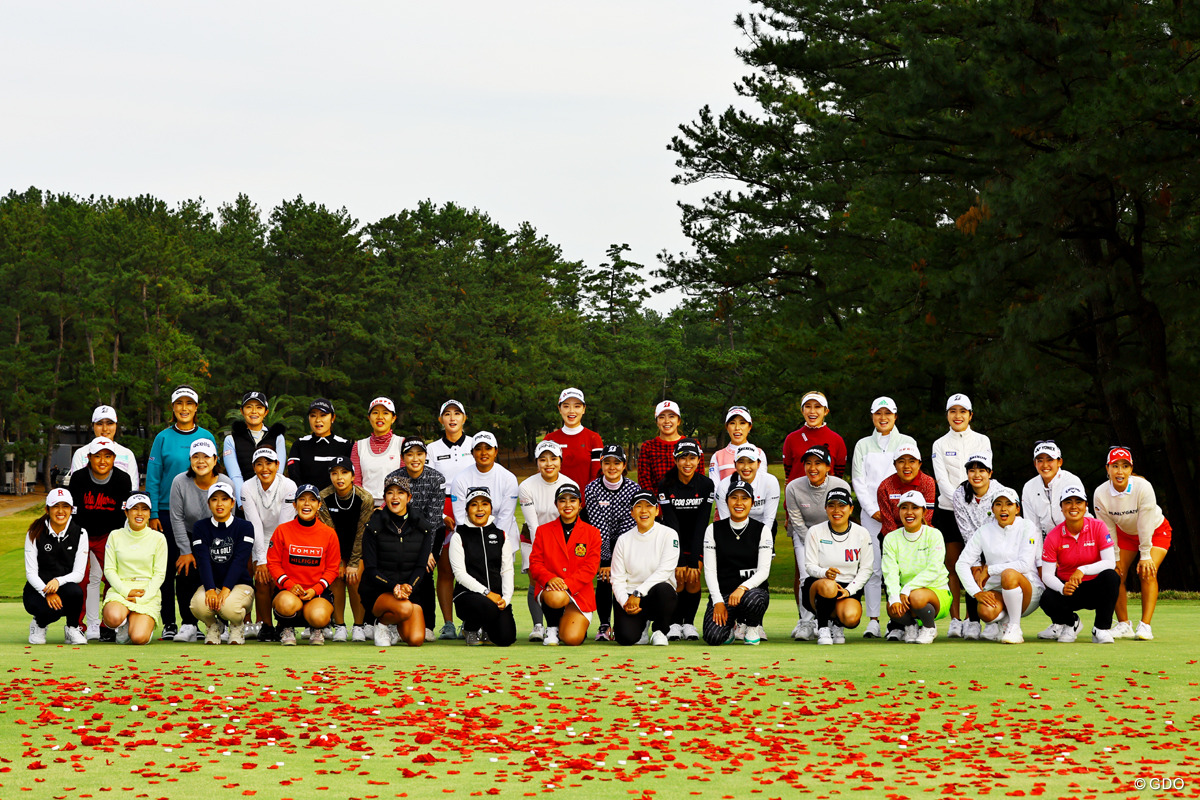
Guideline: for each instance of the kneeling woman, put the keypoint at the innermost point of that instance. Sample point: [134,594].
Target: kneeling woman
[562,566]
[643,575]
[737,562]
[222,545]
[481,557]
[838,559]
[56,557]
[1079,568]
[998,567]
[135,566]
[303,561]
[396,544]
[914,572]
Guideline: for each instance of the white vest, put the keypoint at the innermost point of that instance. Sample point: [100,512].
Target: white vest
[375,468]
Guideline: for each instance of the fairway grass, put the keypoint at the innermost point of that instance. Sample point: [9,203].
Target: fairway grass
[954,719]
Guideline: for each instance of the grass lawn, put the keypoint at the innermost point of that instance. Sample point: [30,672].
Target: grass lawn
[953,719]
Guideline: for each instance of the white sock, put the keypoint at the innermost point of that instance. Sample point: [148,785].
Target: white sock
[1012,603]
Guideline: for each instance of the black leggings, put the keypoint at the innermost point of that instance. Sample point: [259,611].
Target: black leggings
[749,611]
[176,587]
[658,608]
[479,613]
[71,595]
[1099,593]
[604,597]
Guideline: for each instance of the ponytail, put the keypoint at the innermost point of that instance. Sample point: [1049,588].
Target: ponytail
[37,526]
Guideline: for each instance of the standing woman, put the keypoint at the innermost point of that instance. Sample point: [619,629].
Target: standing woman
[248,435]
[102,491]
[264,501]
[813,432]
[104,426]
[189,505]
[686,499]
[347,509]
[56,554]
[136,564]
[1127,505]
[1041,497]
[643,576]
[536,495]
[838,562]
[657,456]
[738,425]
[949,455]
[378,455]
[313,452]
[562,566]
[171,455]
[608,505]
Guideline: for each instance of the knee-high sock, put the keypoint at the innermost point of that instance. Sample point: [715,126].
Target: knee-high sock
[972,608]
[1012,604]
[689,604]
[604,601]
[927,614]
[825,609]
[553,615]
[535,607]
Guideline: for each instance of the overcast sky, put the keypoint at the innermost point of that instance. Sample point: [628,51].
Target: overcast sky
[553,112]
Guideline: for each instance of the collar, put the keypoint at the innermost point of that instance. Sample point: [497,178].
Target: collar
[322,439]
[221,525]
[195,427]
[1112,490]
[59,536]
[572,431]
[459,443]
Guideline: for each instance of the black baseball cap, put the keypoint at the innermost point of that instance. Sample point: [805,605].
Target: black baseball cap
[642,496]
[838,495]
[567,489]
[820,451]
[687,447]
[739,485]
[259,396]
[322,405]
[341,462]
[413,443]
[614,451]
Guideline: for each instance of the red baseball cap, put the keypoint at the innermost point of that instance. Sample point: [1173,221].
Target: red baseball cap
[1116,454]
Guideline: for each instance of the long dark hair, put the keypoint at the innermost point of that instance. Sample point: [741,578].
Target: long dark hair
[39,525]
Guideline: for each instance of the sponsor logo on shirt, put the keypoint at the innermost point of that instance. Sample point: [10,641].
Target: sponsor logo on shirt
[581,550]
[852,553]
[305,555]
[443,458]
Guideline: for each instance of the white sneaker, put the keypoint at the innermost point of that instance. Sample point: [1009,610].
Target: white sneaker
[1013,634]
[224,632]
[927,635]
[910,634]
[659,639]
[838,633]
[675,632]
[383,638]
[799,629]
[1053,632]
[93,631]
[430,636]
[538,633]
[73,636]
[956,629]
[808,631]
[1144,633]
[237,633]
[551,637]
[824,636]
[394,632]
[1102,637]
[369,631]
[1122,630]
[991,632]
[645,635]
[972,630]
[739,631]
[357,634]
[187,633]
[1069,633]
[753,635]
[249,631]
[36,635]
[212,634]
[690,633]
[123,633]
[872,631]
[762,633]
[339,633]
[894,635]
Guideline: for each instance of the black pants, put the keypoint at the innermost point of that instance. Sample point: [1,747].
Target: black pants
[749,611]
[71,595]
[658,608]
[426,598]
[477,612]
[176,587]
[604,597]
[1099,593]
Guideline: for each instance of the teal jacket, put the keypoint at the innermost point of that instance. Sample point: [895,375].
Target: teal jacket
[169,455]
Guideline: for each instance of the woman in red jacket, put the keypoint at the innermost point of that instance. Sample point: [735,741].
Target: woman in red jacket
[303,560]
[563,566]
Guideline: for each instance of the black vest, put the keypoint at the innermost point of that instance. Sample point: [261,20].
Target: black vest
[56,557]
[737,556]
[244,445]
[345,520]
[483,552]
[397,549]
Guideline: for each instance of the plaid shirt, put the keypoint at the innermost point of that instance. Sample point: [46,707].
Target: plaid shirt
[655,460]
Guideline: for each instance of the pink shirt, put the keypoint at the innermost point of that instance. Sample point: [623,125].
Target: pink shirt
[1069,552]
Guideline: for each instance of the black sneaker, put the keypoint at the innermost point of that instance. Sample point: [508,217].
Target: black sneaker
[267,633]
[108,634]
[169,631]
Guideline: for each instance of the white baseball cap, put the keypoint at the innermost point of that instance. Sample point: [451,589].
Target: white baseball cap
[1047,449]
[738,411]
[914,497]
[884,402]
[746,451]
[204,446]
[959,400]
[101,443]
[57,496]
[547,446]
[185,391]
[1074,490]
[449,403]
[571,393]
[1011,494]
[104,412]
[135,498]
[907,450]
[980,458]
[485,437]
[386,402]
[667,405]
[818,396]
[221,486]
[265,452]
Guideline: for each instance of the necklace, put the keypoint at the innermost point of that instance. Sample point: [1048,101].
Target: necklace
[337,501]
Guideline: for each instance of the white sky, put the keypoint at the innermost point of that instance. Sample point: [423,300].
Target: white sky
[553,112]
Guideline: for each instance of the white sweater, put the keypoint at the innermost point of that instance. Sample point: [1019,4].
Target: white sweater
[641,561]
[1040,503]
[949,456]
[851,553]
[1134,512]
[766,498]
[1016,547]
[503,486]
[267,510]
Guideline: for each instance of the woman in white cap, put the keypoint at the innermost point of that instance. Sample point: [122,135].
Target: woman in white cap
[189,505]
[536,496]
[1079,568]
[222,545]
[949,455]
[737,563]
[481,555]
[972,510]
[56,553]
[378,455]
[563,566]
[449,455]
[686,499]
[815,408]
[248,435]
[1041,497]
[608,506]
[303,561]
[136,564]
[104,426]
[265,504]
[170,456]
[874,461]
[656,456]
[1127,505]
[804,501]
[581,447]
[838,561]
[643,576]
[914,571]
[998,566]
[738,424]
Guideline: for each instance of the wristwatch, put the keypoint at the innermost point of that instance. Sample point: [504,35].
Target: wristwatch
[635,593]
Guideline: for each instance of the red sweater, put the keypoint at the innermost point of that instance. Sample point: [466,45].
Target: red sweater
[798,441]
[581,454]
[576,560]
[655,459]
[889,493]
[307,557]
